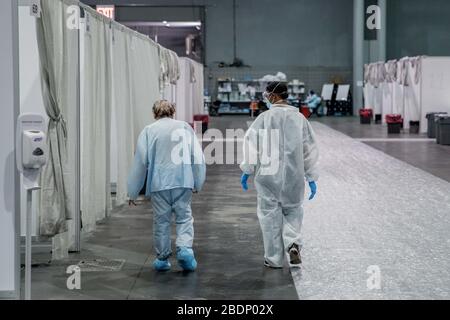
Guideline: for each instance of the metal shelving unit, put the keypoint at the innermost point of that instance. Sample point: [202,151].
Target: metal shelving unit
[237,95]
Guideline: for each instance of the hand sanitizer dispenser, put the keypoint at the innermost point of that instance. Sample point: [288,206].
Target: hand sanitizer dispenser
[31,155]
[31,148]
[34,150]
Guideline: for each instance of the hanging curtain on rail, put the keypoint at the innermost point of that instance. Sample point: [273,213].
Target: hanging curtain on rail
[143,57]
[136,87]
[96,120]
[122,133]
[184,95]
[199,88]
[58,51]
[412,90]
[390,70]
[378,92]
[170,74]
[398,90]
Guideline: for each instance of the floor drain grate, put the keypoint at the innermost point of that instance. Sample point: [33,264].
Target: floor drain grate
[101,265]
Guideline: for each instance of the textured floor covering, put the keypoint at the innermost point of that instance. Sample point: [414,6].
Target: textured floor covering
[374,210]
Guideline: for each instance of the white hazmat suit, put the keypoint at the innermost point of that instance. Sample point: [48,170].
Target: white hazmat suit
[281,151]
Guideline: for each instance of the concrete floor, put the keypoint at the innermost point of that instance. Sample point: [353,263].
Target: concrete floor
[340,244]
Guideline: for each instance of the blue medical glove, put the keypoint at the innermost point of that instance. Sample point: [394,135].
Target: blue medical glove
[244,180]
[313,187]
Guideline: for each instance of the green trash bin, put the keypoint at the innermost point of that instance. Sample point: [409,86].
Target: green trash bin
[431,117]
[443,130]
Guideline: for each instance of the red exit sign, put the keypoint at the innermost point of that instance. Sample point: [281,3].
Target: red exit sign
[108,11]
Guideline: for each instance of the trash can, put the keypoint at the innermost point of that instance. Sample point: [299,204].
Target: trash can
[431,117]
[204,119]
[437,117]
[306,112]
[414,127]
[394,122]
[443,130]
[378,118]
[366,116]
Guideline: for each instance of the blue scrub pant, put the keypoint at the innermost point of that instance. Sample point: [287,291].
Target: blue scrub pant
[166,203]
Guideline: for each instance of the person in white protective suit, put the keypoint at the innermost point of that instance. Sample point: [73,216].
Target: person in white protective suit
[280,150]
[170,156]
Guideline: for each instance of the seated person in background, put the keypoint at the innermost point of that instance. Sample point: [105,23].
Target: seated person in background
[314,103]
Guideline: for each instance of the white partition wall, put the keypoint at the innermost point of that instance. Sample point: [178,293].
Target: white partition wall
[435,92]
[9,181]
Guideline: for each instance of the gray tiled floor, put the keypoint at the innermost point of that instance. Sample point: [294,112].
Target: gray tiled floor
[228,240]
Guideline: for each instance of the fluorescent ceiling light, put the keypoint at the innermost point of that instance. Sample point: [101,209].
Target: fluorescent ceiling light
[186,24]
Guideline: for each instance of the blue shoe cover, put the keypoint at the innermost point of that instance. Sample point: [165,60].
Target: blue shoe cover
[186,259]
[161,265]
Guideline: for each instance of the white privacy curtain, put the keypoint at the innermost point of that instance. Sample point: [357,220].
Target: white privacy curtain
[123,127]
[190,90]
[184,98]
[58,51]
[136,87]
[121,84]
[170,74]
[123,91]
[398,92]
[96,121]
[143,58]
[387,99]
[412,91]
[199,88]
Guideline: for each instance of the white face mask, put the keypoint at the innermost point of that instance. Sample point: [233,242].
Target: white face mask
[266,96]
